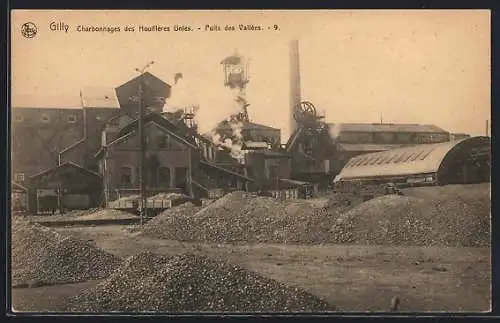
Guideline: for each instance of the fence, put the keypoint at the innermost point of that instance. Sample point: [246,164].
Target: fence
[290,194]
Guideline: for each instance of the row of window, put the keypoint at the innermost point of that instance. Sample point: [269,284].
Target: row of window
[380,159]
[46,118]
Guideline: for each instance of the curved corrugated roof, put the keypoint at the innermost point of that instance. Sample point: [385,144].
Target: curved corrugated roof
[412,160]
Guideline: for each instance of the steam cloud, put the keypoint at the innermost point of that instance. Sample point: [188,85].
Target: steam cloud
[214,107]
[182,96]
[334,131]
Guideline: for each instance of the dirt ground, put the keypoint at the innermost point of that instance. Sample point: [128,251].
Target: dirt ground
[353,278]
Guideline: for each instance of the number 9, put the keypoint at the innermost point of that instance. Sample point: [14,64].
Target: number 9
[276,27]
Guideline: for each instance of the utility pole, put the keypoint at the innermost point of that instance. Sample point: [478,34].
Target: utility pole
[487,128]
[142,147]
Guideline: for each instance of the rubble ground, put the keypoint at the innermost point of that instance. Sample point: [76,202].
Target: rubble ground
[42,256]
[460,218]
[381,253]
[351,277]
[149,282]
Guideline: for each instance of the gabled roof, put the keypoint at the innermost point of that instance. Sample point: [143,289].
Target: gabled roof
[73,145]
[226,125]
[224,170]
[162,123]
[388,127]
[66,166]
[131,87]
[99,97]
[18,186]
[146,77]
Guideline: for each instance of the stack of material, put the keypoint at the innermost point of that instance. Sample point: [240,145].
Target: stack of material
[168,196]
[241,217]
[175,198]
[166,224]
[106,214]
[445,220]
[42,256]
[189,283]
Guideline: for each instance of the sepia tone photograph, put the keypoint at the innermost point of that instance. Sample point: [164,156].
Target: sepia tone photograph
[250,161]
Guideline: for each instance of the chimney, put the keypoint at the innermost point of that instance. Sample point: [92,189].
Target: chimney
[294,81]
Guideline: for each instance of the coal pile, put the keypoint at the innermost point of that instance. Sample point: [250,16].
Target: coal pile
[106,214]
[242,217]
[443,220]
[165,225]
[187,283]
[41,256]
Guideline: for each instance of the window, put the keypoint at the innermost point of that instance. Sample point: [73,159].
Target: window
[417,155]
[45,118]
[427,153]
[378,160]
[404,138]
[164,177]
[126,176]
[180,177]
[163,141]
[366,161]
[19,177]
[407,158]
[19,118]
[401,158]
[382,159]
[273,172]
[71,118]
[355,137]
[391,158]
[360,161]
[384,137]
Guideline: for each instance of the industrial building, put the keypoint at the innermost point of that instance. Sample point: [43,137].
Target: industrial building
[88,156]
[453,162]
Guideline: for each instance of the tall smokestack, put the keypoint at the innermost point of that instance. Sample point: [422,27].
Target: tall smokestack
[294,81]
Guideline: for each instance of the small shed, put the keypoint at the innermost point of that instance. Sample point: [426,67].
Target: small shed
[65,187]
[19,195]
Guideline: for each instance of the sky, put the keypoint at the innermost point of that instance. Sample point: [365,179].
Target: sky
[413,66]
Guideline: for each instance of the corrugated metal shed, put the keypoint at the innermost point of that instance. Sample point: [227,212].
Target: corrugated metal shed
[99,97]
[387,127]
[412,160]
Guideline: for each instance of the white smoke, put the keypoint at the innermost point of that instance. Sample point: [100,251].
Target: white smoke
[334,130]
[216,138]
[237,128]
[216,106]
[182,96]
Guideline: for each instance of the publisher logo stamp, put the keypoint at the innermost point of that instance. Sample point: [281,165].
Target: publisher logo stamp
[28,30]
